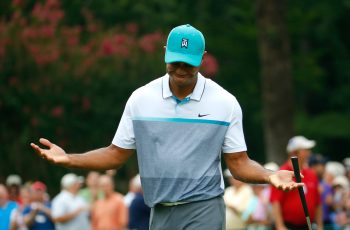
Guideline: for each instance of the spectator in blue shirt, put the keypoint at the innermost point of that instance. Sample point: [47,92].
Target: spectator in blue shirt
[37,215]
[6,207]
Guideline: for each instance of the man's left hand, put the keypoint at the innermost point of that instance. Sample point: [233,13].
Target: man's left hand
[283,180]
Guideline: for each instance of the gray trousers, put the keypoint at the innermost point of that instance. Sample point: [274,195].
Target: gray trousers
[200,215]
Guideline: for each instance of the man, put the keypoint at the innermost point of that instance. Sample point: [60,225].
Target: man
[139,212]
[14,183]
[287,208]
[6,207]
[69,211]
[318,163]
[179,124]
[109,213]
[37,215]
[91,193]
[237,197]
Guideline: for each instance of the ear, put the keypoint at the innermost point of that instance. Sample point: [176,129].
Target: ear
[205,52]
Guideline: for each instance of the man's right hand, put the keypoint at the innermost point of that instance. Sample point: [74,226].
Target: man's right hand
[54,153]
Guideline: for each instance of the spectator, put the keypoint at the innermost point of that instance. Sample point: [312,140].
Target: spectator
[237,197]
[257,214]
[287,208]
[346,162]
[109,213]
[128,198]
[17,217]
[37,215]
[341,200]
[6,207]
[13,183]
[317,163]
[91,192]
[70,211]
[139,212]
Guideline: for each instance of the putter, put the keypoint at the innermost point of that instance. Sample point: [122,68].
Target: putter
[301,191]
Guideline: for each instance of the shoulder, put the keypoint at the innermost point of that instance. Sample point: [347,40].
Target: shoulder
[151,88]
[213,87]
[214,90]
[12,204]
[61,197]
[118,197]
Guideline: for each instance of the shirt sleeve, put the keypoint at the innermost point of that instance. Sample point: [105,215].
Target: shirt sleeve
[124,136]
[234,139]
[275,195]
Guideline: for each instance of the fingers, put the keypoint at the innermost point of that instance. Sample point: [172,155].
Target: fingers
[45,142]
[290,186]
[41,152]
[36,148]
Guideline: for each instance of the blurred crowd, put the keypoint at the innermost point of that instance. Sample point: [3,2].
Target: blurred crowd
[90,203]
[93,203]
[263,207]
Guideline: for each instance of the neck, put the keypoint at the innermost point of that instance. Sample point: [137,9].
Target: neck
[108,194]
[181,91]
[2,204]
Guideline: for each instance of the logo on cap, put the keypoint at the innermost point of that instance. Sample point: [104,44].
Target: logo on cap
[184,43]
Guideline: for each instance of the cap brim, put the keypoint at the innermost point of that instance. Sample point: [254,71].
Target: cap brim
[310,144]
[193,60]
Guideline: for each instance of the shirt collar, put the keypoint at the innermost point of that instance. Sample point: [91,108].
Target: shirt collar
[197,91]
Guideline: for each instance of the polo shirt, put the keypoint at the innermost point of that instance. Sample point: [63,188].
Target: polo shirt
[65,203]
[5,213]
[41,220]
[291,207]
[179,142]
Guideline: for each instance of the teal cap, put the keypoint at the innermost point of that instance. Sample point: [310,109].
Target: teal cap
[185,44]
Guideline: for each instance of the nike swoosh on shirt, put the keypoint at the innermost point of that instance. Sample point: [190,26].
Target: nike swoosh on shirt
[203,115]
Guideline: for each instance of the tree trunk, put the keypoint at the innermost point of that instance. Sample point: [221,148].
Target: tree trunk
[276,77]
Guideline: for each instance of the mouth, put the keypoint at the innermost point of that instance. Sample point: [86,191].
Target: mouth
[180,75]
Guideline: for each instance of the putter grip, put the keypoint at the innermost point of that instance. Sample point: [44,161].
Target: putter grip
[300,189]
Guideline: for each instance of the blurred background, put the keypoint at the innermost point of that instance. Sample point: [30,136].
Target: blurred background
[68,67]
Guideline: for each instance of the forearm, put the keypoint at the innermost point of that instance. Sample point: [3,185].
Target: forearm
[276,211]
[318,217]
[29,218]
[66,217]
[110,157]
[245,169]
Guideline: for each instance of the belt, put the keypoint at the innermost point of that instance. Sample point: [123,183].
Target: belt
[169,204]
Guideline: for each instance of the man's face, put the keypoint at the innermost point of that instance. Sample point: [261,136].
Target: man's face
[182,74]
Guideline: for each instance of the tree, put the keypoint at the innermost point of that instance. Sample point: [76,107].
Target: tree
[276,77]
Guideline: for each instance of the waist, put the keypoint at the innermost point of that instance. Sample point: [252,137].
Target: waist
[168,204]
[172,204]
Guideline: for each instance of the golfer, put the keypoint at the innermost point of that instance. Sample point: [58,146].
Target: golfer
[181,125]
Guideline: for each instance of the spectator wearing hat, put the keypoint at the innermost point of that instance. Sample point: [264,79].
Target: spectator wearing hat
[37,215]
[287,208]
[70,211]
[6,207]
[13,183]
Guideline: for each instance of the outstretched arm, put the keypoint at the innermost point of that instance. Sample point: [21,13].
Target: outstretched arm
[247,170]
[110,157]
